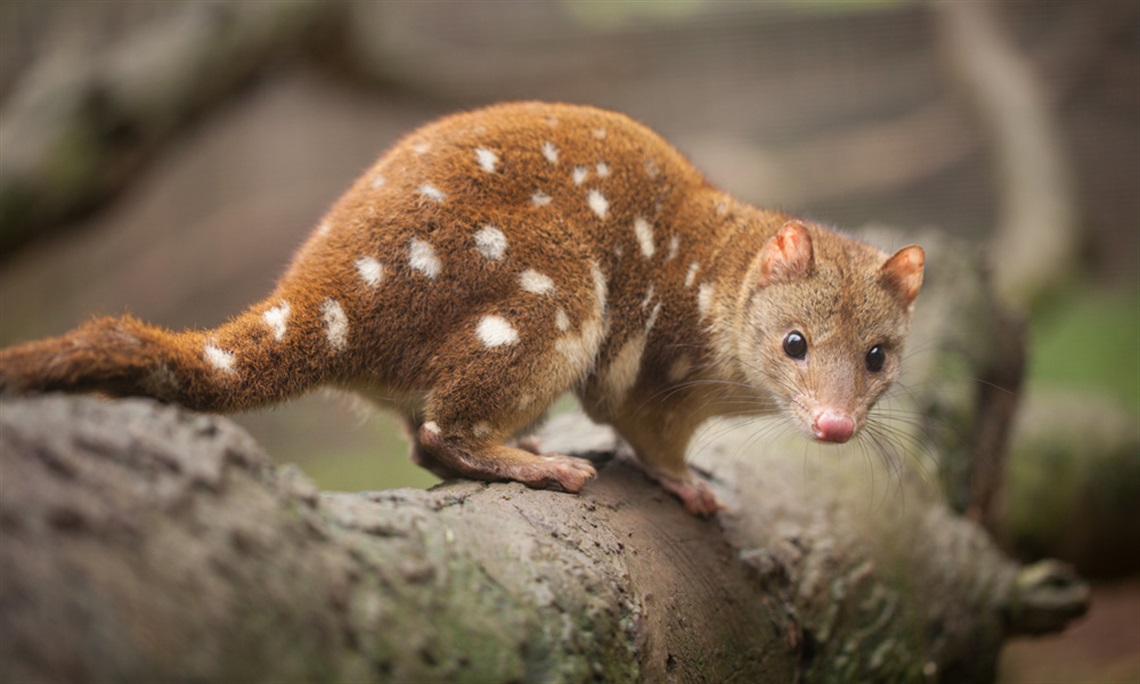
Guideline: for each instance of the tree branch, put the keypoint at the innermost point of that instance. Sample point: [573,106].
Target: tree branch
[1036,239]
[143,542]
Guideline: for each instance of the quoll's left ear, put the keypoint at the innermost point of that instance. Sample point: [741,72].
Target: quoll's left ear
[902,273]
[788,255]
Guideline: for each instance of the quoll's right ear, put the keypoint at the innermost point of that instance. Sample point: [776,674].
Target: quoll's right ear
[902,273]
[788,255]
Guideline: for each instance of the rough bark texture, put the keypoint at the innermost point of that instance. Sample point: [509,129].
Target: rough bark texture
[146,543]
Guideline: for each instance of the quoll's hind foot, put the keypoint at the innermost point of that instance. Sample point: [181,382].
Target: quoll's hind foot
[693,492]
[497,462]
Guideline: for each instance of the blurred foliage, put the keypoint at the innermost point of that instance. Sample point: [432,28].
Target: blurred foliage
[1074,483]
[1089,340]
[612,14]
[605,15]
[386,467]
[1074,464]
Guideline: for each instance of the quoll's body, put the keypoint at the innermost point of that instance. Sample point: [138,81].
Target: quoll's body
[494,259]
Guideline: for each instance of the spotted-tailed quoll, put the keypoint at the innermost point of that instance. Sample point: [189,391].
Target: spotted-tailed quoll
[493,260]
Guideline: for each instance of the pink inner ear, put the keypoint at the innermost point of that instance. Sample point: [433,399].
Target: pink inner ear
[787,255]
[902,273]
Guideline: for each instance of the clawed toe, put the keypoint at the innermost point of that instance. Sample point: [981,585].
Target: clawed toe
[570,474]
[693,492]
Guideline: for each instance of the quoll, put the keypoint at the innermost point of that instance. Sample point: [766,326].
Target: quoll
[494,259]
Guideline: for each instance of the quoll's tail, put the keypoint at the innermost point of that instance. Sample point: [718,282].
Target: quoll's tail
[264,355]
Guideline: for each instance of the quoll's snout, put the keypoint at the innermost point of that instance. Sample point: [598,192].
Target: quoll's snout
[832,426]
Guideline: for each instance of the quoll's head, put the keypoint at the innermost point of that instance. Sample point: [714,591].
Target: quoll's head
[824,326]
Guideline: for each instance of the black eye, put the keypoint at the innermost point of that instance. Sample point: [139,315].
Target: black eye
[795,345]
[876,358]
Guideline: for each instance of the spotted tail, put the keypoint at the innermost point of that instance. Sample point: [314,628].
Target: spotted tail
[269,353]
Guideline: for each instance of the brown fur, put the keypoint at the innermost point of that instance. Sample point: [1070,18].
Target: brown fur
[616,309]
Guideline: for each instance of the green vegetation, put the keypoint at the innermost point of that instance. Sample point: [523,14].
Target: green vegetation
[1089,340]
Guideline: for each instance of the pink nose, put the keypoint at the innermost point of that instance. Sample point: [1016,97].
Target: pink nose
[832,426]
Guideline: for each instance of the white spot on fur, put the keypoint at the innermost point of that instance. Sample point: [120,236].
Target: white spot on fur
[336,324]
[680,369]
[597,202]
[324,228]
[431,427]
[722,208]
[276,318]
[421,148]
[490,242]
[533,281]
[621,374]
[644,231]
[619,251]
[378,181]
[561,320]
[649,292]
[652,320]
[704,298]
[487,159]
[674,247]
[482,429]
[219,358]
[540,199]
[691,275]
[550,152]
[496,331]
[431,192]
[602,169]
[580,350]
[600,287]
[600,133]
[579,174]
[651,168]
[422,258]
[371,270]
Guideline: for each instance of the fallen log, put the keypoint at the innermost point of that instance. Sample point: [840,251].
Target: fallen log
[143,542]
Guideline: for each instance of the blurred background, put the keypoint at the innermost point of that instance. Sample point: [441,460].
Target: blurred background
[165,158]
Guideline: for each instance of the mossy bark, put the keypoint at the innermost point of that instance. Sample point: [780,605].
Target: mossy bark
[147,543]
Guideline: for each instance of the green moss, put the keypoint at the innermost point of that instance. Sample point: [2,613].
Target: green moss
[1089,340]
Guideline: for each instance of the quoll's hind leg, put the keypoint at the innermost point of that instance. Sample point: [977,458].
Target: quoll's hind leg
[425,457]
[494,462]
[497,379]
